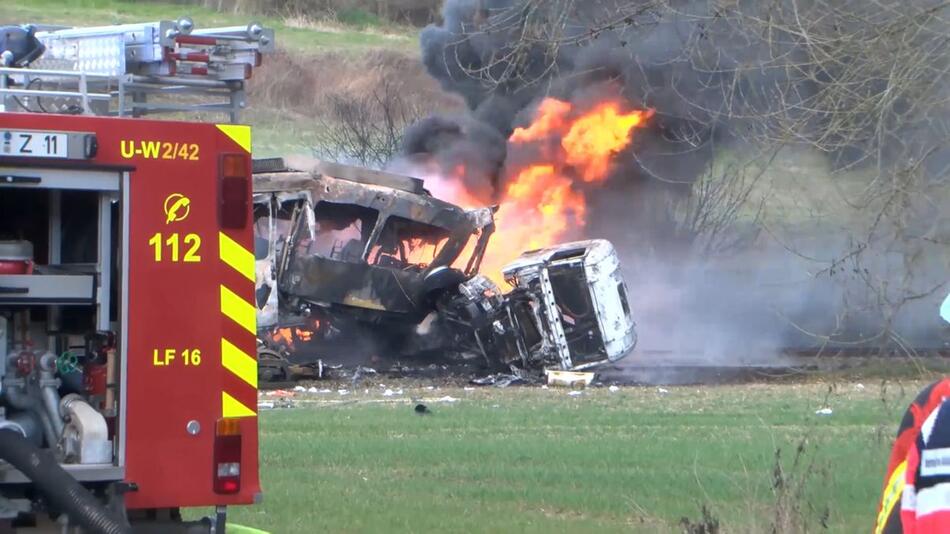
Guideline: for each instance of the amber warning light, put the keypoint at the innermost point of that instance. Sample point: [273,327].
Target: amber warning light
[234,172]
[227,456]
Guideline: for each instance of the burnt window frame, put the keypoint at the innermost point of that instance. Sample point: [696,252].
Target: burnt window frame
[367,230]
[444,240]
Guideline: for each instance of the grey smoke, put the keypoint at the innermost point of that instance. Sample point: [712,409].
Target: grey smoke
[662,67]
[710,88]
[452,140]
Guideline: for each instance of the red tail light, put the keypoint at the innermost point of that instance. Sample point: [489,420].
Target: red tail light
[234,190]
[227,456]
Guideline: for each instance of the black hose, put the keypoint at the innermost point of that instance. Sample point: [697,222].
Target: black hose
[46,424]
[17,397]
[62,491]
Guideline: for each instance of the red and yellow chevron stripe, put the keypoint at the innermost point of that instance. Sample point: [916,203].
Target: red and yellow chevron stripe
[244,314]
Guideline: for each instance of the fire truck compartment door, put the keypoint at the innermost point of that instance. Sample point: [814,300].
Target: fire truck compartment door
[34,178]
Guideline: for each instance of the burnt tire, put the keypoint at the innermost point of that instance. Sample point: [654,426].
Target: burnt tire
[271,366]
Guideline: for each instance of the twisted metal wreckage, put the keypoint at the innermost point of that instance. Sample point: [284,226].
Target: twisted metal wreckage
[361,267]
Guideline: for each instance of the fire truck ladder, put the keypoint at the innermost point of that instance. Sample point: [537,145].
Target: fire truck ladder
[138,69]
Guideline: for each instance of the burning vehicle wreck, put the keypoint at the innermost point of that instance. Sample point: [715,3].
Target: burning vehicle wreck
[360,267]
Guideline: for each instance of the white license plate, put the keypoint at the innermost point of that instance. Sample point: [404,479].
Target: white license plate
[34,144]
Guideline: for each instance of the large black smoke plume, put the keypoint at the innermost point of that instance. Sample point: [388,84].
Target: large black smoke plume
[739,89]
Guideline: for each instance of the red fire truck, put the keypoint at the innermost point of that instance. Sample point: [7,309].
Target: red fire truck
[128,373]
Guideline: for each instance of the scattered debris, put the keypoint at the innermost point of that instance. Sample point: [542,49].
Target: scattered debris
[280,393]
[343,392]
[509,380]
[300,389]
[483,380]
[501,380]
[859,387]
[662,391]
[576,393]
[569,379]
[467,388]
[360,373]
[448,398]
[613,389]
[824,411]
[422,409]
[276,404]
[312,389]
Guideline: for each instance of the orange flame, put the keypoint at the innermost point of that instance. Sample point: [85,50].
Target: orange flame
[283,336]
[289,336]
[543,202]
[551,163]
[303,335]
[595,137]
[539,206]
[551,117]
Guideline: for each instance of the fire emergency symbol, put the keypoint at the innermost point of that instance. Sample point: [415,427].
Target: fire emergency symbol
[177,208]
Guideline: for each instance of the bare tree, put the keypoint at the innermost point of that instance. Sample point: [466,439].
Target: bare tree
[864,82]
[721,200]
[366,129]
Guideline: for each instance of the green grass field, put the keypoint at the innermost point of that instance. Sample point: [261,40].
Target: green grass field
[534,460]
[296,34]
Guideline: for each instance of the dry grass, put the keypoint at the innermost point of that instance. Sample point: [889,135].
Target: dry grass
[291,94]
[298,83]
[329,24]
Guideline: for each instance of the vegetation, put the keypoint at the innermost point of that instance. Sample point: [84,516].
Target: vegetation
[740,459]
[740,92]
[750,458]
[294,32]
[324,55]
[361,12]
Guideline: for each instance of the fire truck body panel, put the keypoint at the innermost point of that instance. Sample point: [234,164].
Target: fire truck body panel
[186,290]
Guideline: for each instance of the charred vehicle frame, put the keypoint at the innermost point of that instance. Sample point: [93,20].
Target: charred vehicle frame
[355,262]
